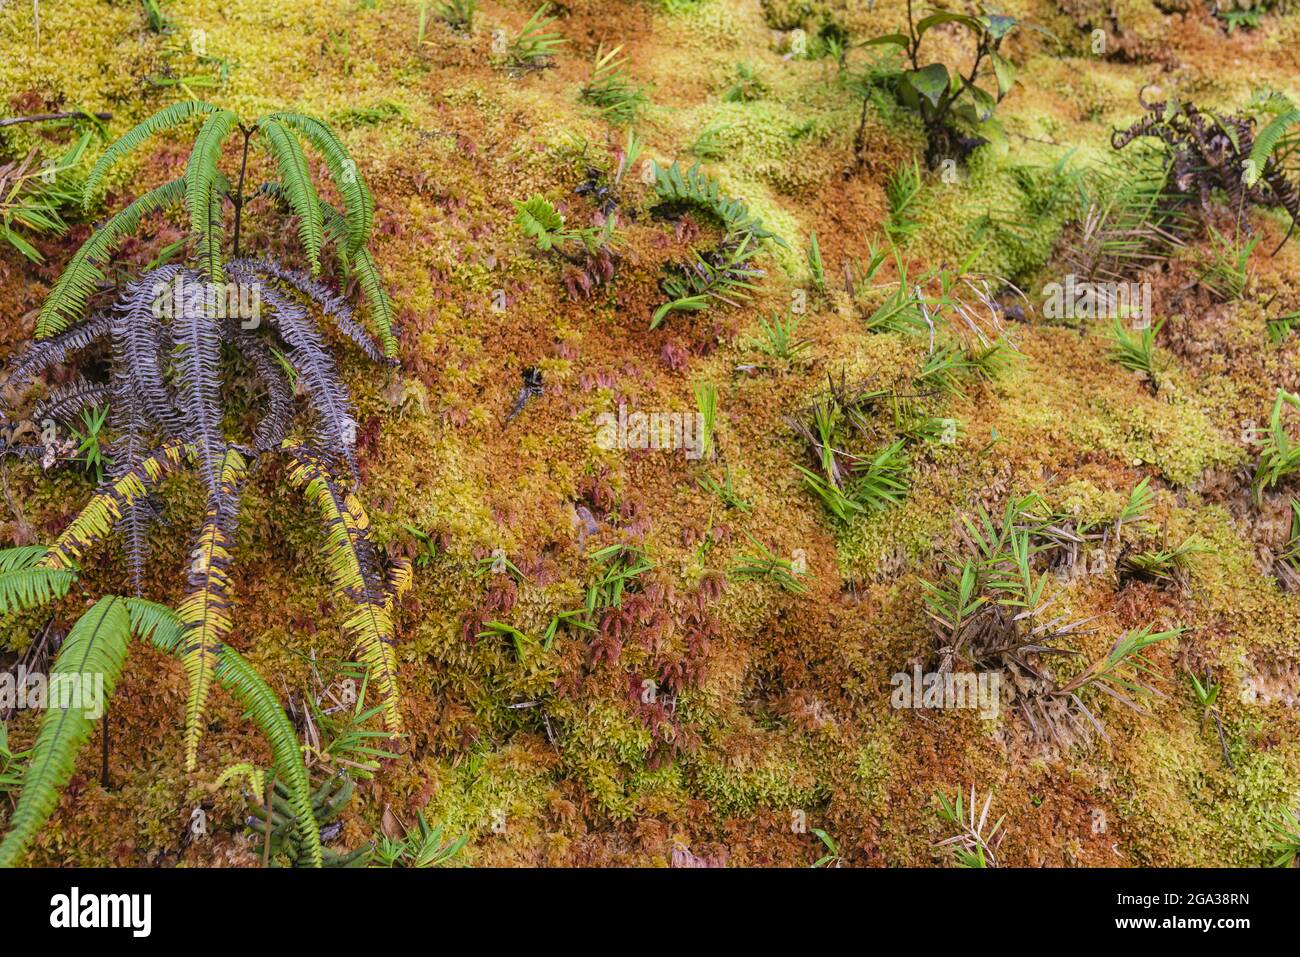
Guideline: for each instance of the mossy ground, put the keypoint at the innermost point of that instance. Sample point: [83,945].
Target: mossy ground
[784,719]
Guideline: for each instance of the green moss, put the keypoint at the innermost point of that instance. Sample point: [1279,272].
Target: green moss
[771,773]
[1010,208]
[1186,809]
[493,794]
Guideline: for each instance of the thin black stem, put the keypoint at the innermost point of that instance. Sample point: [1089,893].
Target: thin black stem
[914,45]
[859,139]
[103,770]
[238,198]
[1223,742]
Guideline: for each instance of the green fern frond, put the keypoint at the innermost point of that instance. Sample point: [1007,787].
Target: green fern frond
[367,272]
[696,188]
[379,306]
[160,626]
[358,203]
[32,587]
[298,189]
[539,220]
[400,579]
[1266,142]
[164,119]
[155,623]
[247,687]
[255,776]
[201,177]
[21,556]
[66,303]
[96,646]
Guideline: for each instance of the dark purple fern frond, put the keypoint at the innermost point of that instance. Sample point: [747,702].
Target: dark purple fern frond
[330,302]
[336,426]
[127,450]
[142,344]
[197,361]
[274,426]
[131,431]
[40,356]
[66,403]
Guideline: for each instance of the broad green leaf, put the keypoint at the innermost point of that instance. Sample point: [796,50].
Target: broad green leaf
[995,135]
[935,19]
[984,103]
[893,39]
[999,25]
[1005,71]
[930,81]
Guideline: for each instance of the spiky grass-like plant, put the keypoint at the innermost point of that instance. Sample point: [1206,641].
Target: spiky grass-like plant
[816,268]
[1280,456]
[1138,505]
[34,199]
[708,144]
[976,842]
[726,491]
[457,14]
[987,614]
[946,367]
[1291,550]
[849,483]
[172,347]
[421,846]
[706,400]
[534,48]
[746,87]
[1136,350]
[903,189]
[1163,566]
[1226,263]
[618,99]
[767,567]
[1134,218]
[1284,839]
[779,337]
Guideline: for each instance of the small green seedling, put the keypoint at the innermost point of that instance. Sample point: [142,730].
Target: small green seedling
[832,856]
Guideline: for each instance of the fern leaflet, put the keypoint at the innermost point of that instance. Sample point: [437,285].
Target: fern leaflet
[164,119]
[97,646]
[298,188]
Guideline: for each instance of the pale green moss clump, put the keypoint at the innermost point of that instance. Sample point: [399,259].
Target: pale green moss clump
[770,775]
